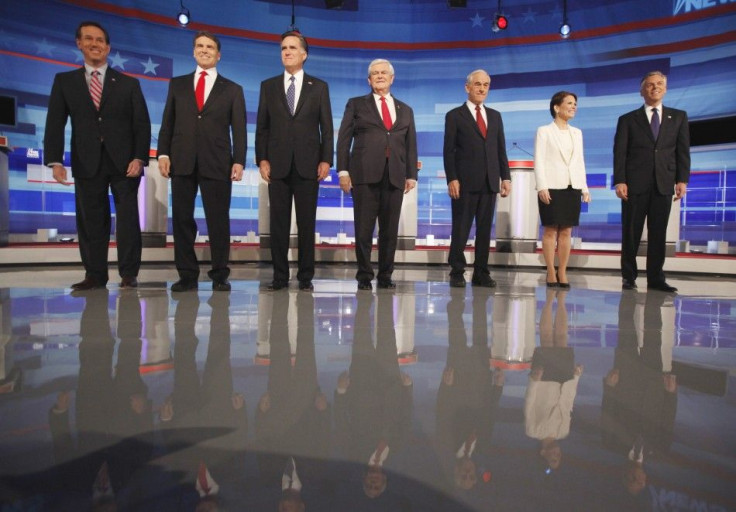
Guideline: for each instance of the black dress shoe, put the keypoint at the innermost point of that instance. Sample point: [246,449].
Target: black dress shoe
[220,285]
[89,283]
[306,285]
[184,285]
[627,284]
[662,287]
[484,281]
[563,286]
[386,284]
[129,282]
[275,286]
[457,281]
[365,284]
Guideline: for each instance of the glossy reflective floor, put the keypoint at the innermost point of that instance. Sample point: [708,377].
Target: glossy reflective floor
[424,398]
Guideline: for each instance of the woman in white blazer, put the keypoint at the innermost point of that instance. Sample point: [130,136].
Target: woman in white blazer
[559,169]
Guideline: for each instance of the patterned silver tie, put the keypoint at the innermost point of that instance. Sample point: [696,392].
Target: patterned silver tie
[290,95]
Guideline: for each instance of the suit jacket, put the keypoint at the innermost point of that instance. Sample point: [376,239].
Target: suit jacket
[469,157]
[306,138]
[189,137]
[642,162]
[552,168]
[122,122]
[362,128]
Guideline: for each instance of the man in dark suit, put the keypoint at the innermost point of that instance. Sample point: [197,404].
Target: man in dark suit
[294,153]
[377,159]
[195,150]
[651,159]
[476,168]
[111,135]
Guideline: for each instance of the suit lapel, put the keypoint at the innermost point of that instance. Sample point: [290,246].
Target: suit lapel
[666,123]
[217,88]
[108,88]
[641,118]
[465,114]
[307,84]
[557,135]
[80,80]
[371,105]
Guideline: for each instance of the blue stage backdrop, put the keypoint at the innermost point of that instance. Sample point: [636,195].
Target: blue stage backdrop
[433,47]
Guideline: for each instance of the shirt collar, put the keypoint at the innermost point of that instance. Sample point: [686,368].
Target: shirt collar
[210,72]
[377,97]
[299,75]
[102,69]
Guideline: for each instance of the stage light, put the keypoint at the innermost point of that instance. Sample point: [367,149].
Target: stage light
[183,17]
[500,22]
[333,4]
[565,28]
[457,3]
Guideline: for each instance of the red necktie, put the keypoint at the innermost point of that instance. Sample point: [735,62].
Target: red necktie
[480,121]
[386,114]
[95,88]
[199,90]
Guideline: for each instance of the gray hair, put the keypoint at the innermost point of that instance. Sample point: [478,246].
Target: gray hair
[652,73]
[380,61]
[469,78]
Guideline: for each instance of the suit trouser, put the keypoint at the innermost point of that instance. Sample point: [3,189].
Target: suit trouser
[655,209]
[216,202]
[304,193]
[373,201]
[93,220]
[478,206]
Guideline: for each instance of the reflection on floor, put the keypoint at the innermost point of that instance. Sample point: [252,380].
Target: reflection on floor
[425,397]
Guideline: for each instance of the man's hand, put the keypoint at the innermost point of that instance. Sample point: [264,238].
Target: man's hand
[544,196]
[505,188]
[63,399]
[135,168]
[265,169]
[164,166]
[680,191]
[409,185]
[612,378]
[622,191]
[236,173]
[453,189]
[345,183]
[59,173]
[586,197]
[323,170]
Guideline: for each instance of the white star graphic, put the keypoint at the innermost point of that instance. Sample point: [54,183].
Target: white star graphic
[5,39]
[77,55]
[529,15]
[556,13]
[44,47]
[477,20]
[150,66]
[118,61]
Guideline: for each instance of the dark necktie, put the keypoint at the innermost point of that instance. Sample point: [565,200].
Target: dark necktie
[95,88]
[291,94]
[480,121]
[199,90]
[655,122]
[386,114]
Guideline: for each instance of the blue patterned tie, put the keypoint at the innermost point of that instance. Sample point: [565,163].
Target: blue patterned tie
[655,123]
[290,93]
